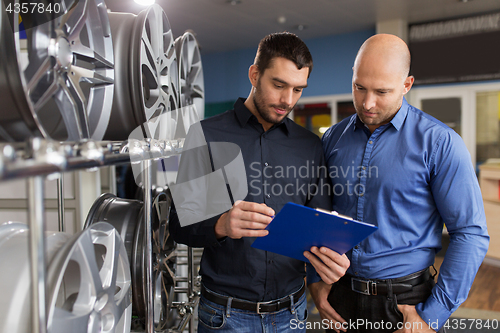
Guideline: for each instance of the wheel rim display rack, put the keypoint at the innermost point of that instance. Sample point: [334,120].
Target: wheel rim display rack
[38,158]
[72,88]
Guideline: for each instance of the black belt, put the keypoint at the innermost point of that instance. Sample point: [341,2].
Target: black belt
[259,307]
[380,287]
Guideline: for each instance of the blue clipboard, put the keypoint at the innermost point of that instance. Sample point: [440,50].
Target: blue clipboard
[296,228]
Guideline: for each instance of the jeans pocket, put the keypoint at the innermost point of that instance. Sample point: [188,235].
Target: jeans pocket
[210,316]
[301,312]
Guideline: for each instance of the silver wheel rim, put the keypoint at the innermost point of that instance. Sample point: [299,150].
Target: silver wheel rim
[69,80]
[127,217]
[15,274]
[164,262]
[152,66]
[89,284]
[192,86]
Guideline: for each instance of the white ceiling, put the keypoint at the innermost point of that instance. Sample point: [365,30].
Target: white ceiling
[221,26]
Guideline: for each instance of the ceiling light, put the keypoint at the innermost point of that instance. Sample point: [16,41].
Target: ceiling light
[234,2]
[281,19]
[145,2]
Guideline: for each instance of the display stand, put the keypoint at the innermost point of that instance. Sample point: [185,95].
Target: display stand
[489,179]
[38,158]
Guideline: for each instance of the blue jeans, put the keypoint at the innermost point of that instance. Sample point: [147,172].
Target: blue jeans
[218,318]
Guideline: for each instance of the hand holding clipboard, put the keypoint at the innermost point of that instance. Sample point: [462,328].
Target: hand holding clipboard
[297,228]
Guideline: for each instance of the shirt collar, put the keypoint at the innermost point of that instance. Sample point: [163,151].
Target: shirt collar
[397,121]
[400,117]
[244,115]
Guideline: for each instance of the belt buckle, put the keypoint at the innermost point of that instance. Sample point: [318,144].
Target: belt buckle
[260,303]
[366,284]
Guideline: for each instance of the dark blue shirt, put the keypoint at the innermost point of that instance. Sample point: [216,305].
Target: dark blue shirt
[283,164]
[409,177]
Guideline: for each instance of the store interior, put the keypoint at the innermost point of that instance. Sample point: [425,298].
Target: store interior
[97,98]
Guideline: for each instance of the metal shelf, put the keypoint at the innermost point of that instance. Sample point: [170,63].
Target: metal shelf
[38,158]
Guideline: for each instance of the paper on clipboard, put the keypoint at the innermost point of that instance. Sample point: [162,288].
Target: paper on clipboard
[296,228]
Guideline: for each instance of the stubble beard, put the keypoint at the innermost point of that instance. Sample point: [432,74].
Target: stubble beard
[261,108]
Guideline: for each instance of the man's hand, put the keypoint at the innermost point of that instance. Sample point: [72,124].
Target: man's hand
[319,292]
[412,323]
[330,265]
[244,219]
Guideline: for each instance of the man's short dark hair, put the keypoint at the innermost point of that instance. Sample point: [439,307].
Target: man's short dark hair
[286,45]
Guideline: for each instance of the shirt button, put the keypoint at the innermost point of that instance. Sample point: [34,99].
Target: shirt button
[370,142]
[364,168]
[361,194]
[356,247]
[268,196]
[266,164]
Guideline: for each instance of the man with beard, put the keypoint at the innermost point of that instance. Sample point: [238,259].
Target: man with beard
[246,289]
[415,175]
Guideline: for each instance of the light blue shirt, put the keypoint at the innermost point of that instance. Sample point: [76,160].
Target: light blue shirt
[409,177]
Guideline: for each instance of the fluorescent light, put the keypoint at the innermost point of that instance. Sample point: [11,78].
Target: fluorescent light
[323,129]
[145,2]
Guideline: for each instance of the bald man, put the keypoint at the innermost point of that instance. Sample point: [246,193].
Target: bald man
[410,175]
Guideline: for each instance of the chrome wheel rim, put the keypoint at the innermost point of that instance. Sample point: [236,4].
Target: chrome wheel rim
[152,66]
[15,274]
[68,82]
[89,286]
[127,217]
[164,264]
[192,87]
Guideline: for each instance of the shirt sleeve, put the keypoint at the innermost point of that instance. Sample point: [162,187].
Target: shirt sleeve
[191,204]
[311,275]
[458,199]
[201,234]
[321,199]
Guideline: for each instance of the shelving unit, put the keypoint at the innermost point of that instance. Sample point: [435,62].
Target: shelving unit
[489,179]
[38,158]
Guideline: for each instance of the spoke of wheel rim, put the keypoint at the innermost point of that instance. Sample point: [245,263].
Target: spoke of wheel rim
[157,33]
[151,50]
[65,321]
[100,62]
[76,18]
[194,73]
[197,92]
[89,55]
[122,304]
[171,255]
[170,272]
[191,48]
[74,83]
[77,99]
[162,290]
[109,269]
[166,235]
[88,262]
[163,230]
[40,73]
[169,79]
[47,95]
[148,56]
